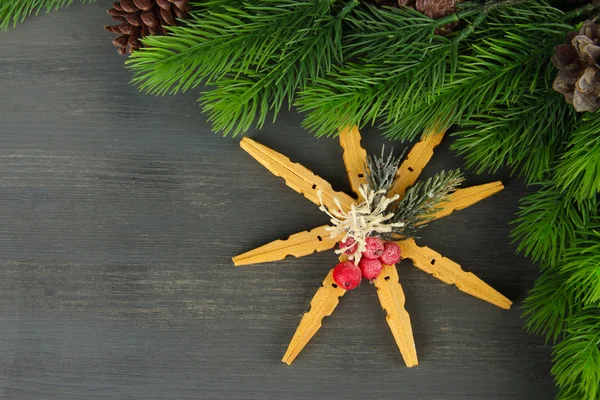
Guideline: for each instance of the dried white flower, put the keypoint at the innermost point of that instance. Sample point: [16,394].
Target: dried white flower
[363,220]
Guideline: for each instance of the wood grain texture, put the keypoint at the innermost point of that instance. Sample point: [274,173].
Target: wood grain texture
[416,159]
[322,305]
[298,177]
[355,158]
[466,197]
[392,299]
[449,272]
[298,245]
[119,215]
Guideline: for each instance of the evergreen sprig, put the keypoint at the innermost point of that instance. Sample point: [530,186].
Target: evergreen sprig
[578,171]
[14,11]
[254,54]
[548,222]
[422,200]
[577,357]
[525,136]
[497,65]
[381,170]
[548,305]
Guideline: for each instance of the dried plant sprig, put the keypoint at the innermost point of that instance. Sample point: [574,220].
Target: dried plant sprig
[381,171]
[422,201]
[371,217]
[385,216]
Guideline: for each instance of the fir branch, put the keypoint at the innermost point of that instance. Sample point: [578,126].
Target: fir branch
[258,54]
[526,136]
[497,66]
[381,171]
[422,200]
[358,94]
[548,222]
[234,107]
[548,305]
[241,100]
[565,302]
[385,80]
[577,358]
[582,266]
[14,11]
[578,172]
[224,37]
[386,31]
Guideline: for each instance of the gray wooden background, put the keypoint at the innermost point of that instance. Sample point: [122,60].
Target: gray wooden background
[119,214]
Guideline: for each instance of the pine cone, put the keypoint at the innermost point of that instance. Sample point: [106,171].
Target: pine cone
[578,63]
[140,18]
[432,8]
[436,8]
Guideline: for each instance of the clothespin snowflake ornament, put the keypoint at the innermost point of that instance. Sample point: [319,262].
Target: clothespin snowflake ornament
[373,232]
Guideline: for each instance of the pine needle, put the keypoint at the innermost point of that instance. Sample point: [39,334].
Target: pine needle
[423,199]
[577,358]
[578,172]
[14,11]
[526,136]
[548,222]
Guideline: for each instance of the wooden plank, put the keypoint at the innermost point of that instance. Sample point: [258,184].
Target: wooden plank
[415,161]
[451,273]
[120,213]
[355,158]
[322,305]
[392,299]
[463,198]
[298,245]
[296,176]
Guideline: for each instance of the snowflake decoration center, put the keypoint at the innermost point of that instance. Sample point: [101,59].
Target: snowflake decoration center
[369,218]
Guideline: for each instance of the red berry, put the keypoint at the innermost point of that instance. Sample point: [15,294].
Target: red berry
[370,268]
[347,275]
[349,244]
[391,253]
[374,247]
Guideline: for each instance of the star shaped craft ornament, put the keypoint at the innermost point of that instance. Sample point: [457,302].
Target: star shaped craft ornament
[373,231]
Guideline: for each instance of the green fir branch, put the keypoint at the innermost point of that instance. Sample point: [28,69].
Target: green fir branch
[224,37]
[577,358]
[548,305]
[14,11]
[565,304]
[582,266]
[425,83]
[356,95]
[547,223]
[399,62]
[526,136]
[255,56]
[578,171]
[495,69]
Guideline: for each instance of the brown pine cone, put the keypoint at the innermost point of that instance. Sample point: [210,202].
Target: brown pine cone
[436,8]
[140,18]
[432,8]
[578,63]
